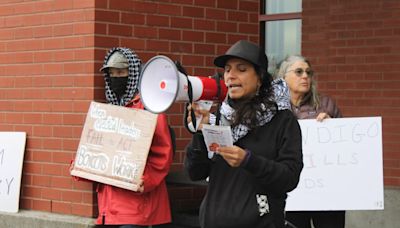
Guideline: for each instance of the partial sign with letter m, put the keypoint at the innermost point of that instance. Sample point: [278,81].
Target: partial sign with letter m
[12,149]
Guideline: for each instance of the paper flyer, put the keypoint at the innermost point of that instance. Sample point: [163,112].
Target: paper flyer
[216,136]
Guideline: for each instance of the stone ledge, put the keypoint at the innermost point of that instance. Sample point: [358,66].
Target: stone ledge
[33,219]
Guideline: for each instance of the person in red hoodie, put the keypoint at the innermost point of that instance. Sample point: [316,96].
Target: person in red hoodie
[149,206]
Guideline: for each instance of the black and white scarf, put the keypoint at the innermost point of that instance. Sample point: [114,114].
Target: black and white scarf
[281,97]
[134,63]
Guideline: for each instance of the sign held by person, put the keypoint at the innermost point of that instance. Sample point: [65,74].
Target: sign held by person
[12,148]
[114,145]
[343,166]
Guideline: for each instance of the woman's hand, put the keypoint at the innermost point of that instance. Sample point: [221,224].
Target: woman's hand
[141,187]
[233,155]
[322,116]
[71,166]
[201,114]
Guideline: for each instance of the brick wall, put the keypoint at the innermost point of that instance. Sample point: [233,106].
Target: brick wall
[50,53]
[355,48]
[46,70]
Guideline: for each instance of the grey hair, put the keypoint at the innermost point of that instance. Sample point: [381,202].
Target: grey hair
[312,97]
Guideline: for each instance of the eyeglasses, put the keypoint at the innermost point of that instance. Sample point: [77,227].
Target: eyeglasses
[300,71]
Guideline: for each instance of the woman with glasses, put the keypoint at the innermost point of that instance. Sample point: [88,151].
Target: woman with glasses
[307,103]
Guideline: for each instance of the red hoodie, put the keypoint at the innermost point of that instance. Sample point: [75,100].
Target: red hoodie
[120,206]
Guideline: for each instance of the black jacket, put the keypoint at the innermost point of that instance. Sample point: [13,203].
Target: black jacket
[236,196]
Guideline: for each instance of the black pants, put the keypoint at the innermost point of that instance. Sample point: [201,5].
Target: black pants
[320,219]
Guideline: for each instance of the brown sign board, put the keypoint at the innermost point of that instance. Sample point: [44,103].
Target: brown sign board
[114,145]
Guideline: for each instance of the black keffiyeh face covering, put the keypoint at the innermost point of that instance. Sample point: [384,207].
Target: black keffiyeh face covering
[133,77]
[118,86]
[281,98]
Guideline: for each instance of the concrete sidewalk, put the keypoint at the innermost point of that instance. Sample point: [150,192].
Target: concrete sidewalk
[39,219]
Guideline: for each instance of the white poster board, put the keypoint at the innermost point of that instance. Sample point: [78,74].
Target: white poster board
[12,148]
[343,167]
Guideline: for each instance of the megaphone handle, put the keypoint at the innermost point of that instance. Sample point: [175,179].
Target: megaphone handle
[192,115]
[191,127]
[194,128]
[190,95]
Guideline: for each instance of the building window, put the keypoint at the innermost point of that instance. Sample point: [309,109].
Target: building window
[281,29]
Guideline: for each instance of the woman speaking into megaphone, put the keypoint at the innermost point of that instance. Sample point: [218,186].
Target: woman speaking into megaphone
[249,181]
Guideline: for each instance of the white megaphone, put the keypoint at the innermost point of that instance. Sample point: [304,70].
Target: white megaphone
[161,84]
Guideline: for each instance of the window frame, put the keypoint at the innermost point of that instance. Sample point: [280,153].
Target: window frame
[263,18]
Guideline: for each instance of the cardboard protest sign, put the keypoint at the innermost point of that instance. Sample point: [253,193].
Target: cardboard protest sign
[12,148]
[343,166]
[114,145]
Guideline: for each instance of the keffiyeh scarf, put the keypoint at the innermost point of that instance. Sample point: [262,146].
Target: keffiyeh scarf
[281,98]
[134,63]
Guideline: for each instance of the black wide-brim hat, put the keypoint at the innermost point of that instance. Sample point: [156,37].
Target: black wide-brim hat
[244,50]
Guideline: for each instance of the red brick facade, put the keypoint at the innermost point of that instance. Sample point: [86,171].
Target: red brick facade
[355,48]
[50,53]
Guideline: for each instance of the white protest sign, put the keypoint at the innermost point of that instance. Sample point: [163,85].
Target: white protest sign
[343,167]
[12,148]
